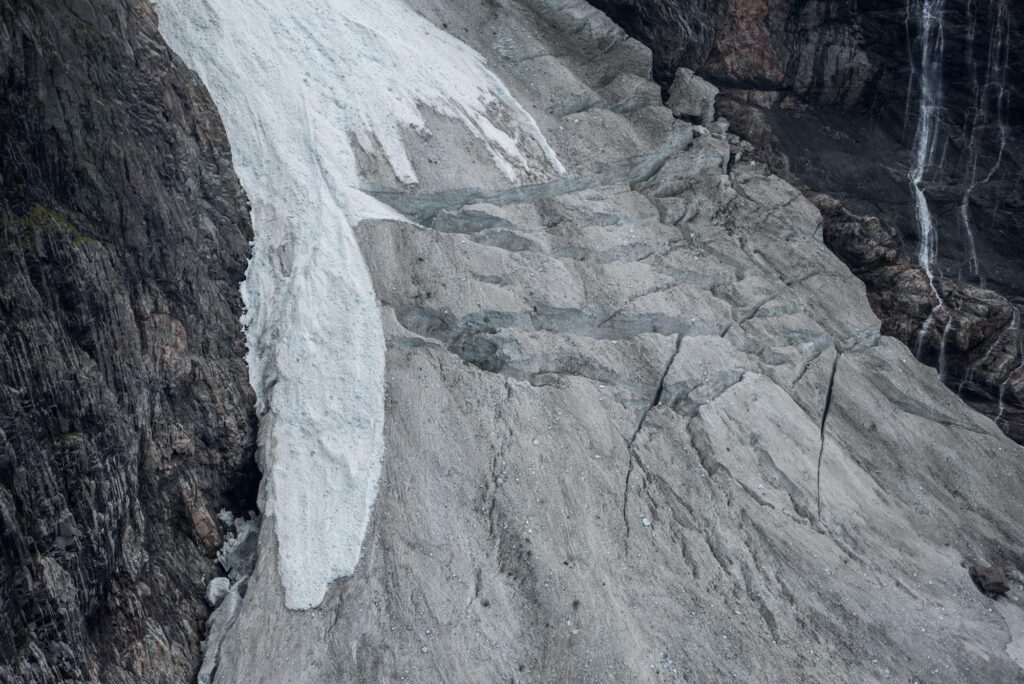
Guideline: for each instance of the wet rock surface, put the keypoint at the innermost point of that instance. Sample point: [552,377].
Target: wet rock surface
[836,80]
[978,333]
[641,422]
[125,410]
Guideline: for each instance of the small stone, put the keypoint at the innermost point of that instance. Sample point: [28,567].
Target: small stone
[424,650]
[989,580]
[216,590]
[645,521]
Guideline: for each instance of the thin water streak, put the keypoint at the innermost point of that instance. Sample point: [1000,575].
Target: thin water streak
[931,40]
[989,101]
[1014,325]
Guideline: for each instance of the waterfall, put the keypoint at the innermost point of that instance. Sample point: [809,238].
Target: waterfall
[989,102]
[928,71]
[984,118]
[971,126]
[1014,325]
[995,89]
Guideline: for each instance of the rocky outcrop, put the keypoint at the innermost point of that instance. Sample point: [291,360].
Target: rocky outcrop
[975,341]
[816,49]
[640,421]
[126,418]
[828,92]
[691,97]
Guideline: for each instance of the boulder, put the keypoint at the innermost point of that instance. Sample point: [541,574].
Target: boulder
[989,580]
[692,98]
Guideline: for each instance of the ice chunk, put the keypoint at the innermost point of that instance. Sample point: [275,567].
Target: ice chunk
[237,554]
[216,590]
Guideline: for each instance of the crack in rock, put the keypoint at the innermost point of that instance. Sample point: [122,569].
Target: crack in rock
[824,420]
[655,400]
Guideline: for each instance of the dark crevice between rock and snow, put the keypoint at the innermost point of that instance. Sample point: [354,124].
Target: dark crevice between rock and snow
[237,557]
[126,416]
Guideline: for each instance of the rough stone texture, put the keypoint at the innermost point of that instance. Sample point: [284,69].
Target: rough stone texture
[691,97]
[835,80]
[830,50]
[827,91]
[125,410]
[641,424]
[979,329]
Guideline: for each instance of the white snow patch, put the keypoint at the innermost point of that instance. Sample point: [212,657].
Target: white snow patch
[295,83]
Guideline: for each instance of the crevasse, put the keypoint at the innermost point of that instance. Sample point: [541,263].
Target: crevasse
[300,86]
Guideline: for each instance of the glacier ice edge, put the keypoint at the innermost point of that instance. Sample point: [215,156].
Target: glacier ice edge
[294,99]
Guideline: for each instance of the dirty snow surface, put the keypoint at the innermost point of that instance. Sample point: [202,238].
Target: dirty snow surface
[304,88]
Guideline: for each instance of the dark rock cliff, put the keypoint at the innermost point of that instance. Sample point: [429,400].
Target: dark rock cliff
[829,90]
[125,410]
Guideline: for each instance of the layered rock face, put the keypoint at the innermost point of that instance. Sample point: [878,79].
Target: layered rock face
[837,83]
[125,411]
[640,422]
[830,91]
[975,338]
